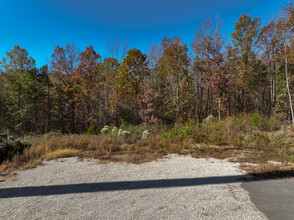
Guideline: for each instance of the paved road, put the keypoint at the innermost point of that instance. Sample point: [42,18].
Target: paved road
[275,198]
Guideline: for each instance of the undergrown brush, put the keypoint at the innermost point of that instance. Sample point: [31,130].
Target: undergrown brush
[245,139]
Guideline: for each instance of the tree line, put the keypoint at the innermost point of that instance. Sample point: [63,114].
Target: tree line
[80,91]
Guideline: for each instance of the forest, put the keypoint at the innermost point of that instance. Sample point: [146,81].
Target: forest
[220,96]
[251,71]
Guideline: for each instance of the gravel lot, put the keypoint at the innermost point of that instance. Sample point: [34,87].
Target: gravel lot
[176,187]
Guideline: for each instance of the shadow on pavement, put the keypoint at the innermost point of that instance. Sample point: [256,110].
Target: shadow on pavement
[128,185]
[117,186]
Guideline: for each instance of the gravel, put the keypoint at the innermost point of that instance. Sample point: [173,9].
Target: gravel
[175,187]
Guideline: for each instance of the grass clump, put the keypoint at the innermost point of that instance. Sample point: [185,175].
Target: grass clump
[255,119]
[52,134]
[61,153]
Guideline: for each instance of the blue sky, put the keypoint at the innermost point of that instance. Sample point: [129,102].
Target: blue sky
[39,25]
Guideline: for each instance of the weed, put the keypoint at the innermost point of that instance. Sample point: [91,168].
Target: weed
[255,119]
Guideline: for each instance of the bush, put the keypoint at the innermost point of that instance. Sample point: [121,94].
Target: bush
[145,134]
[114,131]
[173,133]
[270,124]
[255,140]
[169,117]
[11,147]
[136,131]
[91,130]
[123,133]
[255,119]
[126,115]
[184,132]
[105,129]
[209,119]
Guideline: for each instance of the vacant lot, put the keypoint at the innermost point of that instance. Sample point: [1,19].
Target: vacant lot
[175,187]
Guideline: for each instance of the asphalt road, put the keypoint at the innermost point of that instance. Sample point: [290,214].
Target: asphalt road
[275,198]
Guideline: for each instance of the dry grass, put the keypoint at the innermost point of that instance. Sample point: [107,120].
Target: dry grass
[270,170]
[61,153]
[232,138]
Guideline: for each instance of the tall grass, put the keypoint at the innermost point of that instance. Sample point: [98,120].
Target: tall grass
[262,139]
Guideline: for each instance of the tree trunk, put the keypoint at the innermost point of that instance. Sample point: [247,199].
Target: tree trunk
[116,101]
[48,107]
[288,89]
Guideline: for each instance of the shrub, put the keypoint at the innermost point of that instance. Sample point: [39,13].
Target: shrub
[126,115]
[169,118]
[114,131]
[209,119]
[91,130]
[255,141]
[119,132]
[270,124]
[11,147]
[105,129]
[185,130]
[138,130]
[173,133]
[234,125]
[145,134]
[255,119]
[123,133]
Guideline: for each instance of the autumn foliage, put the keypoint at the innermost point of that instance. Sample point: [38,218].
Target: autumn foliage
[81,91]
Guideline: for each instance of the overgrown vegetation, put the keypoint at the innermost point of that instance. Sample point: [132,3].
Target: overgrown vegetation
[11,146]
[238,139]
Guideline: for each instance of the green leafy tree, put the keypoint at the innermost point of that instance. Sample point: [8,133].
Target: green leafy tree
[244,44]
[174,64]
[22,90]
[132,74]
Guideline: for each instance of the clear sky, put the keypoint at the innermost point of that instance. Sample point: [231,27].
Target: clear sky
[39,25]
